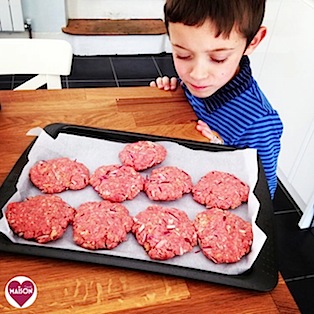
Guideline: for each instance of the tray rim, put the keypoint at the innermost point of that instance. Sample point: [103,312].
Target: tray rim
[260,277]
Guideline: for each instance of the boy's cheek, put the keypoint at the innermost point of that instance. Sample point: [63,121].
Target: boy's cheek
[181,69]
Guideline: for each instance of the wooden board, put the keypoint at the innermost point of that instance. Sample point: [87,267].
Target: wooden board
[103,289]
[107,27]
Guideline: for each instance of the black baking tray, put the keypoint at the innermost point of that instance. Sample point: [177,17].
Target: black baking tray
[262,276]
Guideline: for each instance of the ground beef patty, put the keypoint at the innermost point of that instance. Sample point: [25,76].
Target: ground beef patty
[42,218]
[164,232]
[220,189]
[167,184]
[142,155]
[59,174]
[101,225]
[223,236]
[117,183]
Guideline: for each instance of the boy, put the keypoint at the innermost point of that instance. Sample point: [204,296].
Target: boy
[211,41]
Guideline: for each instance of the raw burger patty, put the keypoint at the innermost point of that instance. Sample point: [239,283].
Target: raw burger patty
[117,183]
[164,232]
[101,225]
[167,184]
[60,174]
[220,189]
[142,155]
[43,218]
[223,236]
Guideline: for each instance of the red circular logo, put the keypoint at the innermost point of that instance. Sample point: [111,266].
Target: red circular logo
[21,292]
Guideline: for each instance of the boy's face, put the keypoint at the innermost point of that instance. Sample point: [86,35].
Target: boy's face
[204,62]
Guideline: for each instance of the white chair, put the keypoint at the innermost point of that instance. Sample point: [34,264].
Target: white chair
[48,58]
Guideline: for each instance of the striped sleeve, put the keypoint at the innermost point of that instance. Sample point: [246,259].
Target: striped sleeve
[264,135]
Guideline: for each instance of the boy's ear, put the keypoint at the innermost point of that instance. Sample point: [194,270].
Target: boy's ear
[256,40]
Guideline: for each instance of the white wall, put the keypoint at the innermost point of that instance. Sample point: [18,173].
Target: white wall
[46,15]
[115,9]
[285,66]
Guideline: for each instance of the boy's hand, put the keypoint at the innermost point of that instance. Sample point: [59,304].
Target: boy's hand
[208,133]
[165,83]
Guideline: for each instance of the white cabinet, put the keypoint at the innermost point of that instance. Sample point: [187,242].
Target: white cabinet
[285,71]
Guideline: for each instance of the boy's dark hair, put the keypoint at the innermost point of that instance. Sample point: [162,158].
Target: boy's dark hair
[245,15]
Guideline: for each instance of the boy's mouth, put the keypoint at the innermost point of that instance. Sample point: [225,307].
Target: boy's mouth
[201,90]
[198,87]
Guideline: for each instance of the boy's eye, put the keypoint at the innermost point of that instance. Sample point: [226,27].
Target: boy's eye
[182,57]
[218,60]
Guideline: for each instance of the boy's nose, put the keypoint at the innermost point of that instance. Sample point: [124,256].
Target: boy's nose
[199,71]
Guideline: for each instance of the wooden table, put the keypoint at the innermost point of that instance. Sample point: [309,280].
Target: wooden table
[78,287]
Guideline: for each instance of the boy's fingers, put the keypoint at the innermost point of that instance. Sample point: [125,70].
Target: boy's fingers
[205,130]
[207,133]
[202,127]
[164,83]
[160,82]
[202,124]
[165,80]
[173,83]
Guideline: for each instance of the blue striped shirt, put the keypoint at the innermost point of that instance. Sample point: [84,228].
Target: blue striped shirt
[241,114]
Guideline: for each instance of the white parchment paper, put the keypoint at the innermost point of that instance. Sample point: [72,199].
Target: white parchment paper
[97,152]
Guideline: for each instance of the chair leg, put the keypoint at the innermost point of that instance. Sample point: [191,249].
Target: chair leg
[52,81]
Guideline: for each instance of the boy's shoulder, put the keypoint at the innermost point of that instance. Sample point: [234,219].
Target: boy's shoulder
[253,97]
